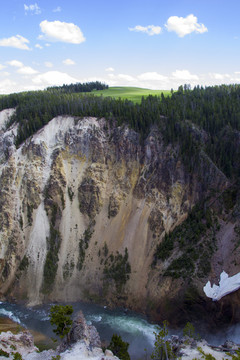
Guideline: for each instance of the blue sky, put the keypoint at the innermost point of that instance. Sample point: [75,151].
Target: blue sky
[157,44]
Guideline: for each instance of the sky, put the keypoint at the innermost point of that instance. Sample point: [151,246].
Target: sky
[156,44]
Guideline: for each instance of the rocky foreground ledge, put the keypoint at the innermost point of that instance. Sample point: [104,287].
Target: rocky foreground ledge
[83,343]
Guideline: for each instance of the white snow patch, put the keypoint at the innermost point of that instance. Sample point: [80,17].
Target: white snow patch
[4,116]
[226,286]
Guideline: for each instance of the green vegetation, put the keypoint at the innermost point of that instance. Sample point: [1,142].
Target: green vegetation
[60,316]
[229,198]
[117,268]
[189,330]
[83,245]
[70,193]
[105,250]
[133,94]
[24,263]
[68,268]
[119,347]
[4,353]
[17,356]
[29,214]
[235,356]
[53,244]
[51,263]
[198,121]
[162,347]
[195,240]
[78,87]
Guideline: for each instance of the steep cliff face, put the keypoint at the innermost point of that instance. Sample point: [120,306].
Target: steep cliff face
[84,205]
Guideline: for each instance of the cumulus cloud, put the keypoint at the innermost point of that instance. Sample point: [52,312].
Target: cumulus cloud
[68,62]
[38,46]
[61,31]
[48,64]
[184,26]
[109,69]
[58,9]
[150,29]
[23,70]
[27,70]
[15,63]
[18,42]
[2,67]
[4,73]
[7,86]
[33,8]
[51,78]
[126,77]
[218,76]
[184,75]
[152,76]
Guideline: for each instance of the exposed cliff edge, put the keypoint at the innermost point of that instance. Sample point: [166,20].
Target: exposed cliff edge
[85,208]
[83,344]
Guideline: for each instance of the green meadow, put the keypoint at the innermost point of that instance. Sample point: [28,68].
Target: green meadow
[131,93]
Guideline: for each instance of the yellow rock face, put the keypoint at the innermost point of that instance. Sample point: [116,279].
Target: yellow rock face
[101,195]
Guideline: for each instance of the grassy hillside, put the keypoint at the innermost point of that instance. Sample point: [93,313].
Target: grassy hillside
[131,93]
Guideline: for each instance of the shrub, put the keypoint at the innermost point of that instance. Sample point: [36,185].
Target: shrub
[60,315]
[119,347]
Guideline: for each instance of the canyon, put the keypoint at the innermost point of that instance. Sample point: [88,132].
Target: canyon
[85,205]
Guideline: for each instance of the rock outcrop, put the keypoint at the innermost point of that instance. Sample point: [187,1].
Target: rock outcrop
[82,343]
[80,331]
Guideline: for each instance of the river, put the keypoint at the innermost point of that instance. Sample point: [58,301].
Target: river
[134,328]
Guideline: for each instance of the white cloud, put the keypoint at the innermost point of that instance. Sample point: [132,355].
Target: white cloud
[18,42]
[109,69]
[33,8]
[61,31]
[7,86]
[4,73]
[218,76]
[23,70]
[51,78]
[58,9]
[126,77]
[184,75]
[2,66]
[152,76]
[150,29]
[38,46]
[48,64]
[47,45]
[15,63]
[68,62]
[27,70]
[184,26]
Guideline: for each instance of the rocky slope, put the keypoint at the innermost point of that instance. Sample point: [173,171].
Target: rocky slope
[84,205]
